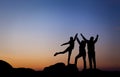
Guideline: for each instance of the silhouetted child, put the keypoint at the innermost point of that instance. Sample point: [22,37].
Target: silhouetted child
[91,50]
[69,49]
[82,52]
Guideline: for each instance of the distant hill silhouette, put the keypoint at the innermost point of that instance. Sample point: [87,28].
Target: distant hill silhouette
[5,69]
[4,66]
[55,70]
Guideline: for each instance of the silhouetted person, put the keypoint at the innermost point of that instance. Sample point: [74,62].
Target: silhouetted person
[82,52]
[91,50]
[69,49]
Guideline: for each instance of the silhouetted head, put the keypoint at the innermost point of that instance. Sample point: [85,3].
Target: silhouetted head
[71,38]
[91,38]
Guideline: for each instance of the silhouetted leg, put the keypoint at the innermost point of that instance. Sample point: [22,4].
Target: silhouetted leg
[69,54]
[76,58]
[94,61]
[84,60]
[61,52]
[90,61]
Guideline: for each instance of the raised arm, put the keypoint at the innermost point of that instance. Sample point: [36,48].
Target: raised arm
[75,36]
[78,40]
[96,39]
[83,37]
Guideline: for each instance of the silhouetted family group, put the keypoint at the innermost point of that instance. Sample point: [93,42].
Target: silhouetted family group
[82,52]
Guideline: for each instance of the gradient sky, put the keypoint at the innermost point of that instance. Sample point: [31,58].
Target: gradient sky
[31,31]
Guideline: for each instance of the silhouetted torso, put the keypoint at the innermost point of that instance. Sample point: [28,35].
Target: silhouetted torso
[82,48]
[91,46]
[71,44]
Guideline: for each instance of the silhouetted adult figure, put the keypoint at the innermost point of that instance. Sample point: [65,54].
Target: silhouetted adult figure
[69,49]
[91,50]
[82,52]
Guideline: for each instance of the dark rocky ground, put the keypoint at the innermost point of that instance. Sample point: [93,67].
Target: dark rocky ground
[56,70]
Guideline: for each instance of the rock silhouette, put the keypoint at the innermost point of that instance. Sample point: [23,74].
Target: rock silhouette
[55,70]
[23,72]
[58,67]
[4,66]
[61,70]
[61,67]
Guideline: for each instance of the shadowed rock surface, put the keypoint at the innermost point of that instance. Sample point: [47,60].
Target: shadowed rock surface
[5,69]
[61,70]
[55,70]
[58,67]
[4,66]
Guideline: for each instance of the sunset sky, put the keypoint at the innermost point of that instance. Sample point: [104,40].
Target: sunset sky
[31,31]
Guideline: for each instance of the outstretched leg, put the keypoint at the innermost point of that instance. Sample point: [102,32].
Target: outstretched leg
[61,52]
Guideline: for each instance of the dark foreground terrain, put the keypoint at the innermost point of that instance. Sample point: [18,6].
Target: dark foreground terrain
[56,70]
